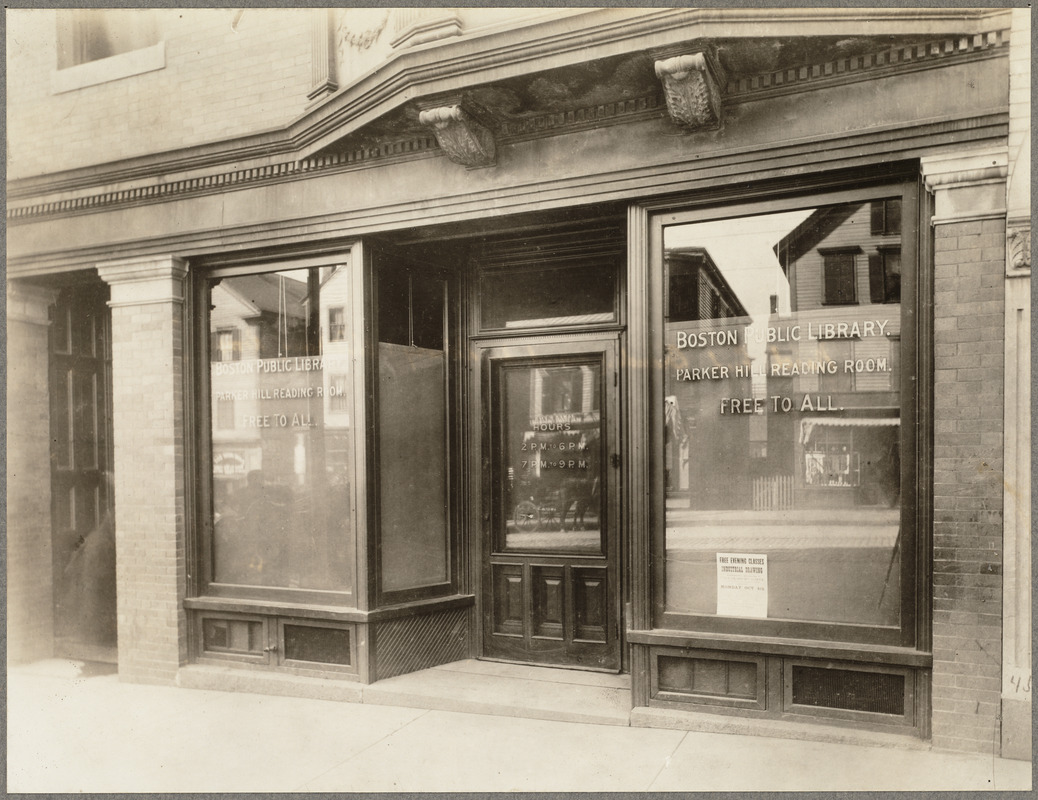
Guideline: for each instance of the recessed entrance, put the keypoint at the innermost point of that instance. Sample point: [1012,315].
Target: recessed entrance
[83,531]
[550,501]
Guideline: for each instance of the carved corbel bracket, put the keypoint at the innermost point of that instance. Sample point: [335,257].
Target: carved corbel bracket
[464,139]
[1018,239]
[692,91]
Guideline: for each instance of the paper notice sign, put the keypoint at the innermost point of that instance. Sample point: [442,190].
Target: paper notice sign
[742,585]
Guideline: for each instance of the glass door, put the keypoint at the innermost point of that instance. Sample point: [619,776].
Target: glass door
[550,503]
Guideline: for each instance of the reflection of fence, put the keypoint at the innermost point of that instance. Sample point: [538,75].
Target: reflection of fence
[773,493]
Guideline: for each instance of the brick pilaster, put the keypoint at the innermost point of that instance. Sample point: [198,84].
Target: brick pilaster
[969,298]
[147,302]
[30,610]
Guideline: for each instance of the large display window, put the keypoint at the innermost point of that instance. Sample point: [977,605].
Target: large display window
[281,429]
[789,412]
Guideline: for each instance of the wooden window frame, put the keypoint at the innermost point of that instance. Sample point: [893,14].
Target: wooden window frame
[649,619]
[379,597]
[201,583]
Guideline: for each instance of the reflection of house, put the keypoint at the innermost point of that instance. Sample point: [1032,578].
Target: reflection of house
[696,289]
[705,324]
[253,317]
[335,349]
[844,268]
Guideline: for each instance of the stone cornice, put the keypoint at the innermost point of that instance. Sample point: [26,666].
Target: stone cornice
[692,175]
[935,53]
[527,128]
[224,181]
[479,58]
[938,52]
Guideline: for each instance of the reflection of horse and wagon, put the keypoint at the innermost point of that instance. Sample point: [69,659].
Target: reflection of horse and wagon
[554,479]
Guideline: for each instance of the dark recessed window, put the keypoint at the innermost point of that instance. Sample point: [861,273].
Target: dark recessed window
[886,217]
[885,275]
[839,278]
[319,645]
[549,297]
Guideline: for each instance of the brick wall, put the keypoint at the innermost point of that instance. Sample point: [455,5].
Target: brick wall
[148,420]
[967,568]
[219,82]
[29,583]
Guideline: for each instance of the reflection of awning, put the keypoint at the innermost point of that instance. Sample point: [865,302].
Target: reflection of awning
[807,425]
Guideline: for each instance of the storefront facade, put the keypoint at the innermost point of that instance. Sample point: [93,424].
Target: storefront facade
[688,344]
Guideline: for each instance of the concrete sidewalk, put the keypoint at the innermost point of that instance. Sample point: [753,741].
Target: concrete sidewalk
[73,731]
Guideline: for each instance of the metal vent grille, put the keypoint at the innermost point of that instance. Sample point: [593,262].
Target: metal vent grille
[849,690]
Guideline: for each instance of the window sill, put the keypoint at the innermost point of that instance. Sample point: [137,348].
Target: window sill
[780,646]
[124,65]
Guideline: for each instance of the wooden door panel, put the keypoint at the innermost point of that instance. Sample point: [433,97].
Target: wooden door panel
[508,599]
[60,421]
[550,503]
[547,613]
[590,604]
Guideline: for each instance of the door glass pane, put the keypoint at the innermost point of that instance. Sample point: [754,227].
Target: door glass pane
[281,431]
[549,458]
[782,415]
